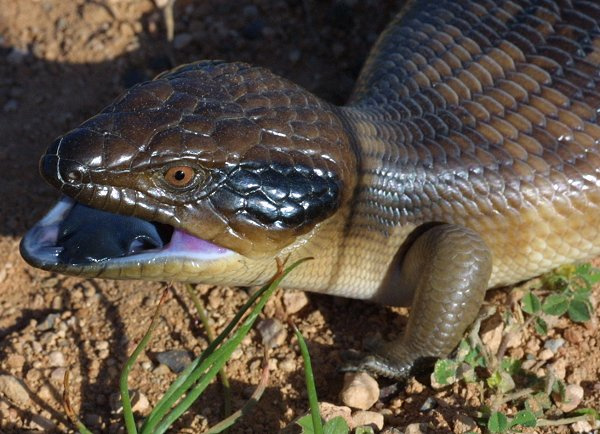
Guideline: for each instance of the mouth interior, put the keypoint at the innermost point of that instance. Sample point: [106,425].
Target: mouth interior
[75,234]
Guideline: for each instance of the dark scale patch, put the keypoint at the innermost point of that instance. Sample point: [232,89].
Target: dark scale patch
[280,195]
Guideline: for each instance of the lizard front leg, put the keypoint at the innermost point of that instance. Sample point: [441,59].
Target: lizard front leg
[449,267]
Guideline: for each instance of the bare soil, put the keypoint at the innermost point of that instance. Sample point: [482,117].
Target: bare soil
[61,62]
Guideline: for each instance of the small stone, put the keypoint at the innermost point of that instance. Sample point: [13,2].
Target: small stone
[176,360]
[573,335]
[33,375]
[140,403]
[491,333]
[464,424]
[57,303]
[15,361]
[416,428]
[37,347]
[554,344]
[181,40]
[43,424]
[14,390]
[329,411]
[360,390]
[58,375]
[147,365]
[294,301]
[545,354]
[237,353]
[559,368]
[272,332]
[583,426]
[161,370]
[288,365]
[102,345]
[368,418]
[48,322]
[428,405]
[573,397]
[56,359]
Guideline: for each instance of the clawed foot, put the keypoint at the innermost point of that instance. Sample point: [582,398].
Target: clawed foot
[379,365]
[375,365]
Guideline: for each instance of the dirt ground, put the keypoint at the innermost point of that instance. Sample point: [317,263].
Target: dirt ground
[61,62]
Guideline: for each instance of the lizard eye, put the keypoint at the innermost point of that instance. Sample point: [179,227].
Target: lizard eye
[180,176]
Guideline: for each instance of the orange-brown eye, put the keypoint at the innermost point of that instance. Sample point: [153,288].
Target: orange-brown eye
[180,176]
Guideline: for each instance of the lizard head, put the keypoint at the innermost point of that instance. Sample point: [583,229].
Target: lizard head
[207,165]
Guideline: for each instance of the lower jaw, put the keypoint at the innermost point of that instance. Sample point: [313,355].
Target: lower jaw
[183,257]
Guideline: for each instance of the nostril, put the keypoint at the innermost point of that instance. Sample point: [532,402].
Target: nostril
[72,172]
[74,176]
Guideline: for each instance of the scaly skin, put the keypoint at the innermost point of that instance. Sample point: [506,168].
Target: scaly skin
[468,157]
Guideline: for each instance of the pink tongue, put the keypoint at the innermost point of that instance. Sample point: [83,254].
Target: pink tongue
[182,241]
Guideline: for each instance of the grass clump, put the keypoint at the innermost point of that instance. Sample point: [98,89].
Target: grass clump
[535,393]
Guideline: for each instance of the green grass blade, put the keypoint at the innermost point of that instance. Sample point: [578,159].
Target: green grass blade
[227,398]
[310,384]
[217,359]
[183,382]
[123,381]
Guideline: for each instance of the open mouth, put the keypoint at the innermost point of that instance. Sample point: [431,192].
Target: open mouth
[73,234]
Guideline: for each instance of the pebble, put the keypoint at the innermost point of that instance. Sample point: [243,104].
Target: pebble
[237,353]
[288,365]
[43,424]
[294,301]
[545,354]
[428,405]
[56,359]
[13,389]
[272,332]
[368,418]
[48,322]
[360,390]
[416,428]
[554,344]
[559,368]
[573,335]
[464,424]
[15,361]
[573,397]
[102,345]
[329,411]
[583,426]
[57,303]
[491,333]
[139,402]
[58,375]
[33,375]
[176,360]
